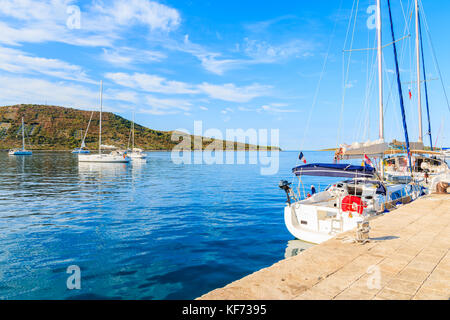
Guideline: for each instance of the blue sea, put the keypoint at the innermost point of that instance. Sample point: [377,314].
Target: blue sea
[154,230]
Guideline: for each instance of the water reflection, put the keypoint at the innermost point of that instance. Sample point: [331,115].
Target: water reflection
[146,230]
[295,247]
[102,169]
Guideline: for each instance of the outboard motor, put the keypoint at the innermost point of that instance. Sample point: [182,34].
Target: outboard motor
[286,186]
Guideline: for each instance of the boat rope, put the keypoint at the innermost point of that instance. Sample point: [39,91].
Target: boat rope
[316,95]
[390,98]
[87,129]
[345,72]
[436,63]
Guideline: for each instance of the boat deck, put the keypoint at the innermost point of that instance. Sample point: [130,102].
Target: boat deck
[408,258]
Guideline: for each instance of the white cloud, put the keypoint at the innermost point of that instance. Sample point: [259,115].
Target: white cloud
[126,57]
[203,108]
[276,108]
[16,61]
[101,23]
[229,92]
[227,110]
[165,106]
[264,52]
[149,13]
[151,83]
[17,90]
[156,84]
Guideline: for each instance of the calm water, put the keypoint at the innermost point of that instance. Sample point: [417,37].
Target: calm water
[151,230]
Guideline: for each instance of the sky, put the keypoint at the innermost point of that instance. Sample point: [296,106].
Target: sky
[231,64]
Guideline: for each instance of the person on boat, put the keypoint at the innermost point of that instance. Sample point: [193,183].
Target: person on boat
[313,190]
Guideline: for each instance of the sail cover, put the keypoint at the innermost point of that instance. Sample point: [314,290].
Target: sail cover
[358,150]
[334,170]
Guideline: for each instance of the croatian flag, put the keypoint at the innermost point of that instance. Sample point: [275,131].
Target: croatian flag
[367,161]
[302,157]
[410,94]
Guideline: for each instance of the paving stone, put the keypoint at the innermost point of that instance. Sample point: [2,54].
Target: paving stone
[409,251]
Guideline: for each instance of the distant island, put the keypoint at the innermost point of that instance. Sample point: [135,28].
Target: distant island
[60,128]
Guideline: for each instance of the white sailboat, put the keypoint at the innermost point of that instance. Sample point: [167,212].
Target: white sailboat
[424,163]
[23,151]
[114,156]
[135,153]
[321,216]
[82,149]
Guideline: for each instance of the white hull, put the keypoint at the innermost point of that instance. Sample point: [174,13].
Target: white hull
[137,156]
[104,158]
[320,218]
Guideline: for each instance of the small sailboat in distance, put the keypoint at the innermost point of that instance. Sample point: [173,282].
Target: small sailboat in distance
[82,149]
[23,151]
[135,153]
[114,156]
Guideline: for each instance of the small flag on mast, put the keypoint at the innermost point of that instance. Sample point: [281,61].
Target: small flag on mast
[410,94]
[367,161]
[301,157]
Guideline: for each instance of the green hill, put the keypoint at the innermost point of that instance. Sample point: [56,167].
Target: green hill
[59,128]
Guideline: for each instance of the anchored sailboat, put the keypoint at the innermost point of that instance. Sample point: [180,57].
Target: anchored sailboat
[365,195]
[418,163]
[135,153]
[82,149]
[114,156]
[23,151]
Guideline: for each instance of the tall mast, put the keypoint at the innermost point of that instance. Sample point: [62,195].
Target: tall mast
[380,69]
[380,80]
[100,127]
[23,135]
[132,148]
[419,92]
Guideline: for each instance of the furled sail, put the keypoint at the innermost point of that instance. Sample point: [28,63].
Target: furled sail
[334,170]
[358,150]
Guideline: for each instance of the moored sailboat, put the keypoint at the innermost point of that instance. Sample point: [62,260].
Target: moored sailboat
[346,204]
[114,156]
[135,153]
[423,164]
[23,151]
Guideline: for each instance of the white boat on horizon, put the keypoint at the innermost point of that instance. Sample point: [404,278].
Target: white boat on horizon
[114,156]
[135,153]
[23,151]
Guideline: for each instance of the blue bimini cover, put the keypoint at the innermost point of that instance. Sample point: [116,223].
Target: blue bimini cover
[334,170]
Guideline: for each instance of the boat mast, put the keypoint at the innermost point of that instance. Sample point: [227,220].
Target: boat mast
[132,148]
[100,127]
[23,135]
[380,79]
[419,92]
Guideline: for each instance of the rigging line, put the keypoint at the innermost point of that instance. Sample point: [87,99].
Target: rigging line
[370,74]
[383,47]
[399,85]
[346,77]
[362,117]
[316,95]
[349,24]
[434,54]
[87,129]
[369,92]
[426,84]
[402,56]
[390,97]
